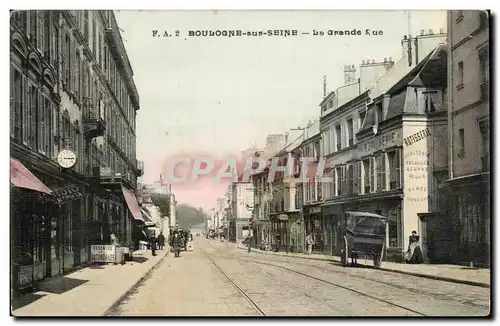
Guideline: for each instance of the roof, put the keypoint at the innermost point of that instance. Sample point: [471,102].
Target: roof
[430,72]
[365,214]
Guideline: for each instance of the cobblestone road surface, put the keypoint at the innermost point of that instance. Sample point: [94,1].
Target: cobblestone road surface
[192,285]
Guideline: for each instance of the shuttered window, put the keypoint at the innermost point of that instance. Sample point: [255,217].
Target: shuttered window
[40,125]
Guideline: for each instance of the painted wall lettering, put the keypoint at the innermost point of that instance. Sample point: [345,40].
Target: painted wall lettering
[416,137]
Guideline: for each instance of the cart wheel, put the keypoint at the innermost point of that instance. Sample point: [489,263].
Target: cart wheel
[344,253]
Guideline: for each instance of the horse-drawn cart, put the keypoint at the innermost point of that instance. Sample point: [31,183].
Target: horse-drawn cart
[363,237]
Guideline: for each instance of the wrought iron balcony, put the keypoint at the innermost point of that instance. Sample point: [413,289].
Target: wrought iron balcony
[140,167]
[94,124]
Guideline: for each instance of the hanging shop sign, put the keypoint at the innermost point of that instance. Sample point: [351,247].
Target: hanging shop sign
[68,193]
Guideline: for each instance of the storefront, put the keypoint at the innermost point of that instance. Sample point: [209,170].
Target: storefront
[313,223]
[279,230]
[469,210]
[32,209]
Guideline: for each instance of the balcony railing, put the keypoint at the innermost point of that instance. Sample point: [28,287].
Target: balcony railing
[93,119]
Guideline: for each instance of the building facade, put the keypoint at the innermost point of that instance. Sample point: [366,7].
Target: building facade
[469,135]
[72,89]
[308,196]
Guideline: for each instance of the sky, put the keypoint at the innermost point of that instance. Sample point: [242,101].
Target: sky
[217,96]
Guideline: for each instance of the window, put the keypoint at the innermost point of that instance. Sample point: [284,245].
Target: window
[430,100]
[484,73]
[86,25]
[323,108]
[394,158]
[78,79]
[338,138]
[17,104]
[339,180]
[460,76]
[485,145]
[94,36]
[362,116]
[67,60]
[30,124]
[359,185]
[367,174]
[326,142]
[461,142]
[381,172]
[350,179]
[330,104]
[379,113]
[350,131]
[47,36]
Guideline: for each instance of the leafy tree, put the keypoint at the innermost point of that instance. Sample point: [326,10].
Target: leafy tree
[162,201]
[189,216]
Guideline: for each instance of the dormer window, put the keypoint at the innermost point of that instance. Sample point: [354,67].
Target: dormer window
[379,112]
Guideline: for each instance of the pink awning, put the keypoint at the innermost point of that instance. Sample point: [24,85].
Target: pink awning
[21,177]
[132,204]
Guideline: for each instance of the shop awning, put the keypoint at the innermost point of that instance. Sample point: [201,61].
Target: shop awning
[146,215]
[132,204]
[21,177]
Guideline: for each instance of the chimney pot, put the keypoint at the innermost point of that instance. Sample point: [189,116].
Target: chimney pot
[441,31]
[422,32]
[430,32]
[363,62]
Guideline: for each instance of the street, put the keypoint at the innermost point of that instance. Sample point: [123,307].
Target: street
[218,279]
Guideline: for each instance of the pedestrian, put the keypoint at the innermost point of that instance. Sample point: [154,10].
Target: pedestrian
[414,252]
[153,245]
[309,243]
[161,241]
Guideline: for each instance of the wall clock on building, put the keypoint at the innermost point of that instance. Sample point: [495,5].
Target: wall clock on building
[66,158]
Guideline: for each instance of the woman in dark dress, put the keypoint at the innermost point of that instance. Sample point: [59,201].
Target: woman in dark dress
[414,252]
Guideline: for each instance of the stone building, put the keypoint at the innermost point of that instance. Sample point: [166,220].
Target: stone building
[469,135]
[72,123]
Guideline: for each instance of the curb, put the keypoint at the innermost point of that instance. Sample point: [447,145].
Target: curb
[434,277]
[109,312]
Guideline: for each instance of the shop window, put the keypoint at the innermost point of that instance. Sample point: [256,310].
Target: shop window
[394,225]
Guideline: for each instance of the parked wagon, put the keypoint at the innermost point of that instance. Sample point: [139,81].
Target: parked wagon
[364,236]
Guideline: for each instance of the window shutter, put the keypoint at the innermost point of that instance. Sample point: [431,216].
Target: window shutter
[354,182]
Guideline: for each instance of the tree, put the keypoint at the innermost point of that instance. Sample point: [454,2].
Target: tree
[162,201]
[188,216]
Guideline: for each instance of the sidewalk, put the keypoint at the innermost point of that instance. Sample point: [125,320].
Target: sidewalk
[450,273]
[90,291]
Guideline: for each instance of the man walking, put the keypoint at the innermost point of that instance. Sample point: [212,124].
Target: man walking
[161,241]
[309,243]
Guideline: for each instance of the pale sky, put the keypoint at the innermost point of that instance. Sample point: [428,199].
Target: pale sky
[219,95]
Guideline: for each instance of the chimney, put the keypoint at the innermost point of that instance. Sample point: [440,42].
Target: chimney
[324,86]
[349,74]
[385,60]
[363,62]
[405,37]
[390,59]
[417,48]
[441,31]
[431,32]
[422,32]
